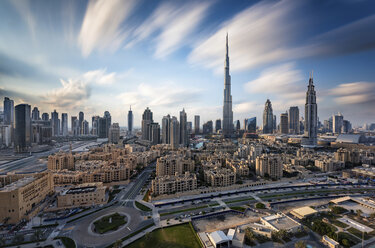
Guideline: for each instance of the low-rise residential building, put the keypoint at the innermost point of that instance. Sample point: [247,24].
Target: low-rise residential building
[82,195]
[220,177]
[269,164]
[21,195]
[329,165]
[173,184]
[303,212]
[172,164]
[279,222]
[241,168]
[60,161]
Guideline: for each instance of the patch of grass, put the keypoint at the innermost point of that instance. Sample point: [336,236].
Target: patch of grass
[113,193]
[347,240]
[133,234]
[142,207]
[68,242]
[189,209]
[339,223]
[300,234]
[103,225]
[180,236]
[239,200]
[260,205]
[358,233]
[237,208]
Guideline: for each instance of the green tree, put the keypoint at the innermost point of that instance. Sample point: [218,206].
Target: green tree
[117,244]
[300,244]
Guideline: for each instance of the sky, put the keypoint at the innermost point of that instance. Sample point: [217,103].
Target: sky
[100,55]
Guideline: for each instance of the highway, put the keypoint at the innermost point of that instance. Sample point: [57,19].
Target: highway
[33,160]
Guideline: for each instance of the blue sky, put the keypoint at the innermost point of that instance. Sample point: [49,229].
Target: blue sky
[102,55]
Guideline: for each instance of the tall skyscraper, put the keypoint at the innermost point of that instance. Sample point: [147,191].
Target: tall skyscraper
[337,123]
[35,116]
[175,133]
[55,123]
[183,128]
[154,133]
[64,124]
[75,129]
[114,133]
[268,117]
[284,123]
[22,140]
[196,124]
[250,125]
[217,125]
[311,116]
[146,121]
[238,125]
[81,117]
[85,128]
[166,126]
[108,120]
[227,107]
[95,125]
[189,127]
[45,117]
[208,127]
[8,111]
[130,120]
[293,119]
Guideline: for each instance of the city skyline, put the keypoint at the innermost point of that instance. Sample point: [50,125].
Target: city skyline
[85,68]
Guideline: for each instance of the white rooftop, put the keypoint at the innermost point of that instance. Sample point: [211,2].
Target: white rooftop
[218,237]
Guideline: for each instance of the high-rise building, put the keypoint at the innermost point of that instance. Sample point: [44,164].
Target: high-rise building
[196,124]
[189,127]
[208,127]
[75,129]
[311,116]
[64,124]
[217,125]
[184,141]
[81,117]
[293,120]
[22,140]
[238,125]
[346,126]
[284,123]
[35,114]
[146,121]
[337,123]
[250,125]
[274,123]
[55,123]
[227,106]
[95,125]
[175,133]
[102,128]
[130,120]
[108,121]
[154,133]
[85,128]
[45,117]
[166,126]
[8,111]
[268,117]
[114,133]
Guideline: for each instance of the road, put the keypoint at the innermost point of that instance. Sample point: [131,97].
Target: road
[33,160]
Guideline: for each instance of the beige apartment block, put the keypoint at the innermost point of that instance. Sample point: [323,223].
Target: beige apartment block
[172,184]
[88,194]
[270,164]
[60,161]
[220,177]
[172,164]
[22,195]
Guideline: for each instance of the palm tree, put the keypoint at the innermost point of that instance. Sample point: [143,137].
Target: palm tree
[359,212]
[300,244]
[118,244]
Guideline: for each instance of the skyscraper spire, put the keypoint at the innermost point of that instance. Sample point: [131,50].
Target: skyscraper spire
[227,107]
[311,116]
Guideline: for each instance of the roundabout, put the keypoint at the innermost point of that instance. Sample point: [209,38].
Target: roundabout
[110,223]
[85,236]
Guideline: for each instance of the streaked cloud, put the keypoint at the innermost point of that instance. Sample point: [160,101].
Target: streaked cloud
[354,93]
[99,77]
[259,34]
[71,95]
[102,25]
[173,24]
[23,8]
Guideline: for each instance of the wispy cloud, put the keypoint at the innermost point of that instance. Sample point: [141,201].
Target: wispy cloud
[71,95]
[355,93]
[259,34]
[174,24]
[99,77]
[23,8]
[101,27]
